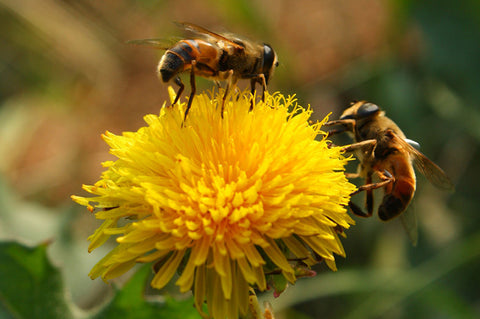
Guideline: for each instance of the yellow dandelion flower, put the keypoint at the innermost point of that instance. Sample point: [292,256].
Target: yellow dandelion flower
[221,201]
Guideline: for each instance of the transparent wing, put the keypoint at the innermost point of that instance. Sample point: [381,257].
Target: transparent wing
[163,44]
[409,223]
[432,172]
[204,32]
[425,166]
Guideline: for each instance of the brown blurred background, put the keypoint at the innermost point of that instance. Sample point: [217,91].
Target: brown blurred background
[67,64]
[67,76]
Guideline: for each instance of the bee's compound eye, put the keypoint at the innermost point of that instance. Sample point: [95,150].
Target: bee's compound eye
[269,60]
[367,109]
[269,57]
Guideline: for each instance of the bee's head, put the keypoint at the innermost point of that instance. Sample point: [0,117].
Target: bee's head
[360,110]
[270,61]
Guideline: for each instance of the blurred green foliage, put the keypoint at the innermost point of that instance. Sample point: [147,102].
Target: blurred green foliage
[31,287]
[66,77]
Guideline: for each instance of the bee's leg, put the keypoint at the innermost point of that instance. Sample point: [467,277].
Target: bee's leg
[336,131]
[367,145]
[357,210]
[386,178]
[352,175]
[347,126]
[253,81]
[347,122]
[178,82]
[261,79]
[227,89]
[193,91]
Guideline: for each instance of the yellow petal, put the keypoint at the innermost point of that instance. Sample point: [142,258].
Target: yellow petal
[163,276]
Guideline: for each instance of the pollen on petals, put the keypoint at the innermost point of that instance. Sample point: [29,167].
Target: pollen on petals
[223,202]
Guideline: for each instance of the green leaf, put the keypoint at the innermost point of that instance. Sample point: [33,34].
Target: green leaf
[129,303]
[30,286]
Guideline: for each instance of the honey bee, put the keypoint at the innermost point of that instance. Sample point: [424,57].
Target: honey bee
[218,57]
[383,150]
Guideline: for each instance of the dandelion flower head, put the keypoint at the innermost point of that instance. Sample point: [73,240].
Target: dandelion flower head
[221,201]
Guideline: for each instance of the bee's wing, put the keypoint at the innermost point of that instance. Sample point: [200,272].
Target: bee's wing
[409,223]
[204,32]
[432,172]
[163,44]
[425,166]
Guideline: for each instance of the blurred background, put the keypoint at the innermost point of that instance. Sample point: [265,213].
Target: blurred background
[67,76]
